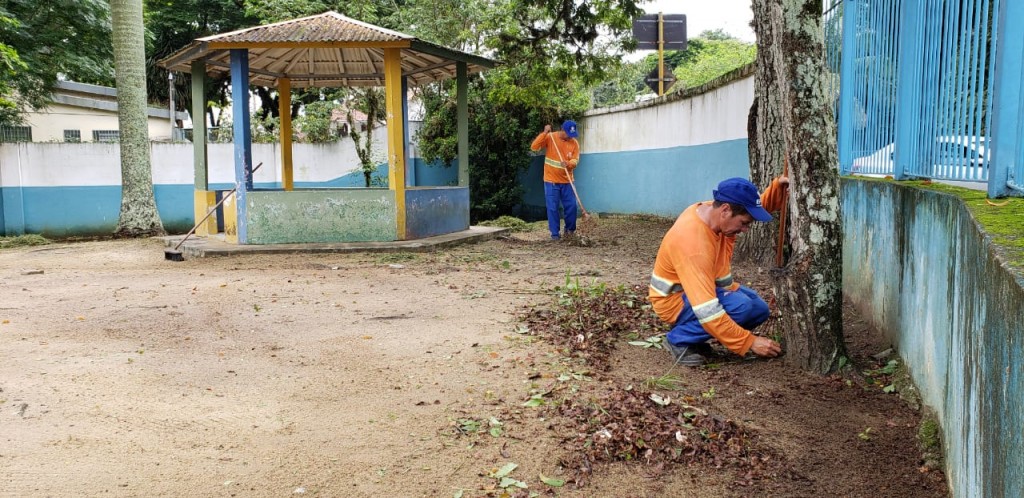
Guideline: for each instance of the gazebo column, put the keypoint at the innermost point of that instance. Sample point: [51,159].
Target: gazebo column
[462,114]
[203,197]
[284,94]
[235,208]
[396,133]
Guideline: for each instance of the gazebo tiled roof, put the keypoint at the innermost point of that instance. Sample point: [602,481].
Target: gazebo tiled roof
[325,50]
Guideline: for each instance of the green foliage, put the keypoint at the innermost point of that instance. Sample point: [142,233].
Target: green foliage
[499,150]
[42,40]
[715,58]
[315,125]
[171,26]
[708,56]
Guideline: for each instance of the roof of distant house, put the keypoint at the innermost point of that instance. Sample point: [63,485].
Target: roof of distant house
[98,97]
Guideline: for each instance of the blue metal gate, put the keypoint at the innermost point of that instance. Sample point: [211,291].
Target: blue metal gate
[929,89]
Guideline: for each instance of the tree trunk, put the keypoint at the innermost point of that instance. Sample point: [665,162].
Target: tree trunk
[809,286]
[765,144]
[139,216]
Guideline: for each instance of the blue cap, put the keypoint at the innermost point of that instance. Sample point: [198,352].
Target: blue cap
[741,191]
[569,127]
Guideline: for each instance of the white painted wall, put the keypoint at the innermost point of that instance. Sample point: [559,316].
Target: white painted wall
[48,125]
[96,164]
[718,115]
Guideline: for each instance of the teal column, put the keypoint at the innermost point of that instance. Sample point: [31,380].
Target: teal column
[462,110]
[242,136]
[846,85]
[199,150]
[410,164]
[1006,161]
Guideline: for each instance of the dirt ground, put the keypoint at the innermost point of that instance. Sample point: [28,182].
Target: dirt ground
[380,375]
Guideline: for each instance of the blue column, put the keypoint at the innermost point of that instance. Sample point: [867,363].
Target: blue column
[908,89]
[242,135]
[846,84]
[1006,102]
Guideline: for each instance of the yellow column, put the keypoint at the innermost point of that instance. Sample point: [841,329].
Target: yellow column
[284,91]
[396,141]
[204,200]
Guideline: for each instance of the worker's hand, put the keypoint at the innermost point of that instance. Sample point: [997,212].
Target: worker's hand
[784,181]
[547,128]
[765,347]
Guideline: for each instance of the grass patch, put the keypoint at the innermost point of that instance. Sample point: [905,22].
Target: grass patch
[23,240]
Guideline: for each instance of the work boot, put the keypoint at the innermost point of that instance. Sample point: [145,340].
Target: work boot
[689,355]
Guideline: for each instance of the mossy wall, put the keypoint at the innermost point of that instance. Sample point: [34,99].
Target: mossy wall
[920,266]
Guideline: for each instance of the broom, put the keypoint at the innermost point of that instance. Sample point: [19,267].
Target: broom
[587,222]
[175,254]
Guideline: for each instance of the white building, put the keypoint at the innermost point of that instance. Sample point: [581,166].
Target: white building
[84,113]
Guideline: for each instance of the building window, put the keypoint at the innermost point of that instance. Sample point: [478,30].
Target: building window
[74,136]
[15,134]
[105,135]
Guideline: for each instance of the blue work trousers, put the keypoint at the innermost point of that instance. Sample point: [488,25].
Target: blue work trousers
[556,194]
[743,305]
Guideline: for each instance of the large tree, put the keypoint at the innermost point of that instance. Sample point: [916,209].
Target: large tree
[793,119]
[139,216]
[41,41]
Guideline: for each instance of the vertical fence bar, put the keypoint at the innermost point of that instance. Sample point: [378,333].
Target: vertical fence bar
[908,113]
[1006,171]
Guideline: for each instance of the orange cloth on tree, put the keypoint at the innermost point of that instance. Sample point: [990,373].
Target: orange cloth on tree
[570,150]
[693,260]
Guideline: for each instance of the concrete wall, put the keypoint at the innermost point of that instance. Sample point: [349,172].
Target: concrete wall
[337,215]
[659,156]
[436,211]
[65,189]
[918,266]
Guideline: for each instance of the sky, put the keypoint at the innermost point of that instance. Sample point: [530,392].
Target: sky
[733,16]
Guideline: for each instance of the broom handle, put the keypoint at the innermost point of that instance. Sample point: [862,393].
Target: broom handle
[568,174]
[782,215]
[211,211]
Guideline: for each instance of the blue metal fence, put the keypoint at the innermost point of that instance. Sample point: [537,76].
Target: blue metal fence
[929,89]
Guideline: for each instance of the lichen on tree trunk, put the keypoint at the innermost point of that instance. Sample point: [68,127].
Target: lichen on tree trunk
[809,286]
[139,216]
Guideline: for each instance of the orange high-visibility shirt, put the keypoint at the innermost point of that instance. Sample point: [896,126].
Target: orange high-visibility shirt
[693,261]
[570,155]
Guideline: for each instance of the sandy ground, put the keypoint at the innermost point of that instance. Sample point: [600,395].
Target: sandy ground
[350,375]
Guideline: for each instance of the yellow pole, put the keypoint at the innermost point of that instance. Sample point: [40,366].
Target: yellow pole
[396,135]
[284,106]
[661,54]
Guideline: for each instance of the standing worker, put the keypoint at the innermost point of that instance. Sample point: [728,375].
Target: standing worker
[692,286]
[560,159]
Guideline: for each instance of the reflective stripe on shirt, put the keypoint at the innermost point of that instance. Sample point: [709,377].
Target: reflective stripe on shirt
[724,281]
[664,287]
[705,312]
[553,163]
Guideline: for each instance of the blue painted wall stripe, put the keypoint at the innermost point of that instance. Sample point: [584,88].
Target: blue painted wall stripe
[655,181]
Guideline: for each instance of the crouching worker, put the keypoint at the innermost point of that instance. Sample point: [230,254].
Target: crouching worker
[692,285]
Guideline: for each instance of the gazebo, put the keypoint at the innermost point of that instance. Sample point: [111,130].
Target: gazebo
[326,50]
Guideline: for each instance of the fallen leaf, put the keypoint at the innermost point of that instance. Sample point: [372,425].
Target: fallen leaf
[550,481]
